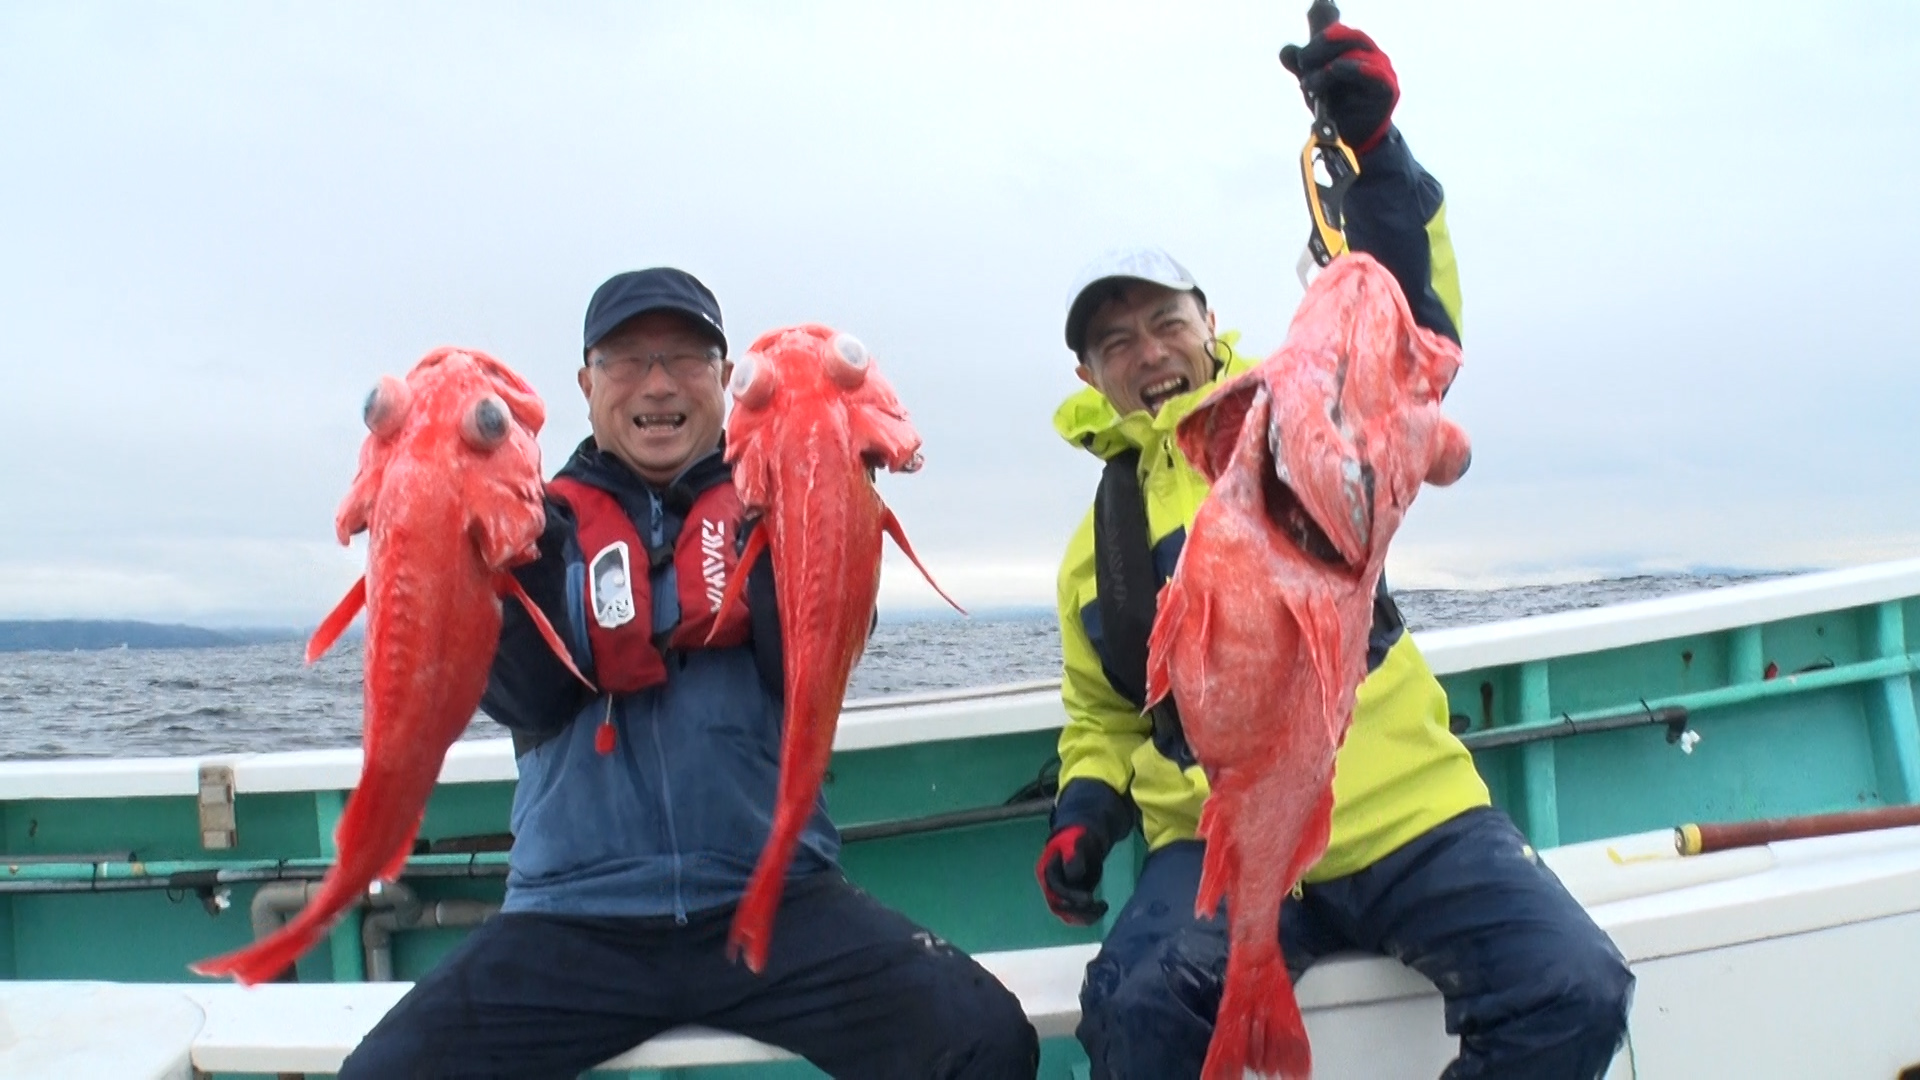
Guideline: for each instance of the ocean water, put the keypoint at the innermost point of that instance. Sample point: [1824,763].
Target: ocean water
[163,702]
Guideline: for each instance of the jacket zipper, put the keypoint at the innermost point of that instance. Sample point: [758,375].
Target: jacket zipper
[657,536]
[673,833]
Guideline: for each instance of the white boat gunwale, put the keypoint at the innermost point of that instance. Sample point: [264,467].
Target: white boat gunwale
[1744,898]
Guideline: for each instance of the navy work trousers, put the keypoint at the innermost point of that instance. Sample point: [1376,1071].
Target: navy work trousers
[1532,987]
[851,985]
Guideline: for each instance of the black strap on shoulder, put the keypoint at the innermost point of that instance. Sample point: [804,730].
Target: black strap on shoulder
[1123,572]
[1129,589]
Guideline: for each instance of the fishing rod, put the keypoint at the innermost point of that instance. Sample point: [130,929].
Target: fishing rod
[1699,839]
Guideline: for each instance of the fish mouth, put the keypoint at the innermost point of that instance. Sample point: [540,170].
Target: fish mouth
[660,421]
[1155,394]
[899,462]
[1289,515]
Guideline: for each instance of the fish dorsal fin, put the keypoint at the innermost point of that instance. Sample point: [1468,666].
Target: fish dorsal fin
[892,525]
[510,586]
[337,620]
[737,584]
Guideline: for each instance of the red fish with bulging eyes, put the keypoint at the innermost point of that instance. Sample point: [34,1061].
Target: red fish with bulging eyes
[812,418]
[449,493]
[1314,457]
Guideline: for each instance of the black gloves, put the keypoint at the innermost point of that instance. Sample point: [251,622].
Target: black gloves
[1088,819]
[1343,67]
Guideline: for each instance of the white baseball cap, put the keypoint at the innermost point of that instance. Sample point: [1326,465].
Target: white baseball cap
[1149,264]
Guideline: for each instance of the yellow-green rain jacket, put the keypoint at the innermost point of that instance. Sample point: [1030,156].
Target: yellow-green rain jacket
[1400,772]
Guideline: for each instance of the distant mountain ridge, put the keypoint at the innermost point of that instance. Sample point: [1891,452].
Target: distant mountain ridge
[92,634]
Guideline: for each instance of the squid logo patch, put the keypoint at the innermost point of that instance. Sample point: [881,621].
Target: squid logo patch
[610,586]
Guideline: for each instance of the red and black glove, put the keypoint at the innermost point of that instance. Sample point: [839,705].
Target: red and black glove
[1088,819]
[1344,68]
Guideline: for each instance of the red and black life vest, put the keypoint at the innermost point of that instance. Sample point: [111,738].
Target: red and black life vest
[619,602]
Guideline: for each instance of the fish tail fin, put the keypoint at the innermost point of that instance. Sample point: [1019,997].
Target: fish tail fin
[751,935]
[752,932]
[261,962]
[892,525]
[803,763]
[337,620]
[1259,1026]
[510,585]
[737,584]
[265,959]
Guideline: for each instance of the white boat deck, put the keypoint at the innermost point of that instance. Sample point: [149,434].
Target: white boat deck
[1035,706]
[1715,939]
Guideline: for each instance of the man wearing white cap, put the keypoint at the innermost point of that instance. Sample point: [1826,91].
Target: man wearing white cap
[1419,865]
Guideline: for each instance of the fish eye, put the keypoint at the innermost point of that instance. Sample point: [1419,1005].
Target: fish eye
[385,412]
[752,382]
[849,361]
[850,350]
[485,425]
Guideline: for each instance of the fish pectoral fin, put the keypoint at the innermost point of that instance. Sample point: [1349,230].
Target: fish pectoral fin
[337,620]
[1169,612]
[1177,616]
[1320,630]
[737,584]
[510,586]
[1313,838]
[892,525]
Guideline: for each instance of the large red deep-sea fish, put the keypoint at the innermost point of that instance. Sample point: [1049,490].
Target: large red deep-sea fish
[1314,457]
[449,495]
[812,419]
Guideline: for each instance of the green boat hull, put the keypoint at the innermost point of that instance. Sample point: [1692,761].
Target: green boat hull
[1759,701]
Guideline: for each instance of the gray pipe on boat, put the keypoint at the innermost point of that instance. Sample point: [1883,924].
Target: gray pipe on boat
[273,904]
[401,910]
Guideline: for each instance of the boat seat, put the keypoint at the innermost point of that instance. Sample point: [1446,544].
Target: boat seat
[311,1027]
[56,1029]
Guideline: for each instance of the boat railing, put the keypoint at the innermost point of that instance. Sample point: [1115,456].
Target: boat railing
[973,712]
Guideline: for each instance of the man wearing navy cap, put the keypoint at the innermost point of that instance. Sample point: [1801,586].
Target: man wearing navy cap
[642,809]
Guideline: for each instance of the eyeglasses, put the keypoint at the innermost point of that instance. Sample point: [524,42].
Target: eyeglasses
[681,366]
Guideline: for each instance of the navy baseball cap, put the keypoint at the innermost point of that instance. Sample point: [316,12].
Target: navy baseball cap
[661,288]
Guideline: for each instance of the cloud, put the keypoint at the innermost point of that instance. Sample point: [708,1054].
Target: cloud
[1684,268]
[216,583]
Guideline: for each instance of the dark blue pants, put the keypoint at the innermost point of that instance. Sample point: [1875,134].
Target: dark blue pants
[1532,987]
[851,985]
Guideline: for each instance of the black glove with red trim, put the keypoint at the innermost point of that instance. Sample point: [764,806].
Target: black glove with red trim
[1088,819]
[1346,69]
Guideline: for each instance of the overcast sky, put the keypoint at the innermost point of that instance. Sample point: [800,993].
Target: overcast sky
[1686,232]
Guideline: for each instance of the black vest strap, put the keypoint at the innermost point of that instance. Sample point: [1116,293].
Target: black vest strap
[1129,595]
